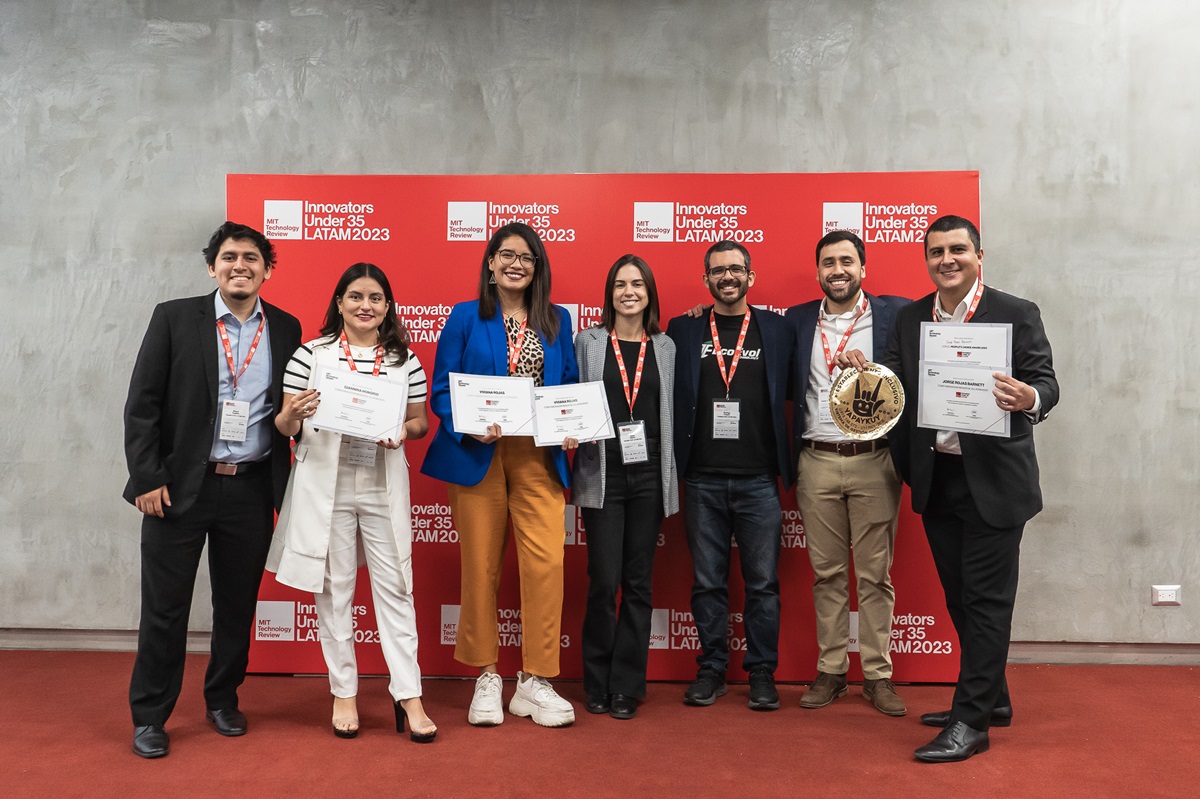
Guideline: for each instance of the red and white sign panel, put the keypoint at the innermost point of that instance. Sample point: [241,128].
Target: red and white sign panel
[428,233]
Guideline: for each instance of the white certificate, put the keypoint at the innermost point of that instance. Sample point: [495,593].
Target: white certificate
[976,343]
[959,397]
[576,410]
[359,405]
[477,401]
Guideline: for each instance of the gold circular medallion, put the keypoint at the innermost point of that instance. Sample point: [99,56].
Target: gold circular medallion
[867,404]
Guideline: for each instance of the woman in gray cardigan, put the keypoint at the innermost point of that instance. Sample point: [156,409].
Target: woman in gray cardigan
[625,485]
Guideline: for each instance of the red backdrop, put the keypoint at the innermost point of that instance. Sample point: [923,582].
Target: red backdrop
[429,232]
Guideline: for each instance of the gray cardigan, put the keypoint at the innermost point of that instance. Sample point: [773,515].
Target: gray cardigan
[587,475]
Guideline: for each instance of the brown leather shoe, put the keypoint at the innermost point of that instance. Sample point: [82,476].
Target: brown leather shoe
[825,689]
[882,694]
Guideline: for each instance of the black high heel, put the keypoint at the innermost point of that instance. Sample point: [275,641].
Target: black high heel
[414,736]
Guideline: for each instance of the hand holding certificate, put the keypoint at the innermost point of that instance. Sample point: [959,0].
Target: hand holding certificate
[479,401]
[958,367]
[359,405]
[578,411]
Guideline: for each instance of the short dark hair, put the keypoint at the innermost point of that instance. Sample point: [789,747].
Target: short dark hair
[393,335]
[725,246]
[944,224]
[608,317]
[233,230]
[834,236]
[542,315]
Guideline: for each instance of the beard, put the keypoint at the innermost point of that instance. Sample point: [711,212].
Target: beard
[843,292]
[717,289]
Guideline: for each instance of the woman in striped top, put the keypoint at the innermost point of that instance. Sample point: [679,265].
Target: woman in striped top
[349,494]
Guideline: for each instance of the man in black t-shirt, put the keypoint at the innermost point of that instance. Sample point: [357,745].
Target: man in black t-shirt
[732,446]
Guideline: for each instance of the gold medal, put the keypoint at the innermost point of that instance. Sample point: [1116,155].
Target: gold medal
[867,404]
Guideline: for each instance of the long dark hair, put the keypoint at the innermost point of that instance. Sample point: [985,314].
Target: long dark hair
[392,333]
[542,315]
[608,317]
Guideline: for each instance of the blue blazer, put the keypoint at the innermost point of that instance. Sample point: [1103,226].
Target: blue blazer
[778,343]
[477,346]
[803,319]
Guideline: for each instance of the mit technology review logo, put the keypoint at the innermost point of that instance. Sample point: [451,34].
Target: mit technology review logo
[653,222]
[450,615]
[466,221]
[283,219]
[275,621]
[842,216]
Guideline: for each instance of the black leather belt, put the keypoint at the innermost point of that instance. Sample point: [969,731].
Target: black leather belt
[234,469]
[848,448]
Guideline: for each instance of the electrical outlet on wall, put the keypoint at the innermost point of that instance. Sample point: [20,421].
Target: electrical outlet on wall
[1165,595]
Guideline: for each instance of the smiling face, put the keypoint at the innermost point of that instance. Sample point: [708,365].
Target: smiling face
[239,270]
[840,274]
[513,277]
[726,287]
[630,296]
[953,264]
[363,307]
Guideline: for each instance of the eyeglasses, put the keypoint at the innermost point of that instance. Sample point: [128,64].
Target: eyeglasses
[508,257]
[736,270]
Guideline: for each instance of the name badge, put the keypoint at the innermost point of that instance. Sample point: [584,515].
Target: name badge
[235,420]
[362,452]
[727,416]
[824,415]
[632,437]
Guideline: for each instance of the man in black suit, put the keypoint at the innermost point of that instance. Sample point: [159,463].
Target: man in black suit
[974,492]
[205,462]
[731,446]
[847,490]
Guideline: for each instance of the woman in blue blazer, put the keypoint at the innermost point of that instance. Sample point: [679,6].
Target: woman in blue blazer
[512,329]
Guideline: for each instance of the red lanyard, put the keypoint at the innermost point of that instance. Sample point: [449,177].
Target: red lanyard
[830,359]
[630,396]
[514,349]
[234,372]
[970,308]
[737,353]
[350,358]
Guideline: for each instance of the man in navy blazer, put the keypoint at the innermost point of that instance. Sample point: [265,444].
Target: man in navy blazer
[732,447]
[847,490]
[206,464]
[974,492]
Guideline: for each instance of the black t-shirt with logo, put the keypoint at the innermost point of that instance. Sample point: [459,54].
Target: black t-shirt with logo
[753,452]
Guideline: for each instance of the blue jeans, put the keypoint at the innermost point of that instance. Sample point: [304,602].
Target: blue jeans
[719,510]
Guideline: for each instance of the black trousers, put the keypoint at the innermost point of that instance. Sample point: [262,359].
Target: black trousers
[621,541]
[235,515]
[978,566]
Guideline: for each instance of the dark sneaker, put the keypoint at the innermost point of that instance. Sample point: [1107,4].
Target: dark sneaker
[705,690]
[763,695]
[825,689]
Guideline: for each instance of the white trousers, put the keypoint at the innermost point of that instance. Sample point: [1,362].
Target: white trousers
[360,513]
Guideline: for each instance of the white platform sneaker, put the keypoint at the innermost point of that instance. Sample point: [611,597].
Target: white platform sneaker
[536,699]
[487,706]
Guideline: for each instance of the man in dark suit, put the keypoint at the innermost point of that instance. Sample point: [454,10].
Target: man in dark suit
[731,444]
[974,492]
[205,462]
[847,490]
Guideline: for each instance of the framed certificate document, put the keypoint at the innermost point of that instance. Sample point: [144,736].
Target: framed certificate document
[958,397]
[976,343]
[478,401]
[359,405]
[577,410]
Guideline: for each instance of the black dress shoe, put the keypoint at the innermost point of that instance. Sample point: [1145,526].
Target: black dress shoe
[956,742]
[597,705]
[151,740]
[229,721]
[1001,717]
[623,707]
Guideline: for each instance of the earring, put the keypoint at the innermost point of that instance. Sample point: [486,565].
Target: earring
[492,278]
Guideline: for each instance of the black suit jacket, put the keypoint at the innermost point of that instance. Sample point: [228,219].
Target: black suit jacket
[172,406]
[803,319]
[689,334]
[1002,473]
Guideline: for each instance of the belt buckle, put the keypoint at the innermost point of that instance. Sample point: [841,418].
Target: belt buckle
[847,448]
[226,469]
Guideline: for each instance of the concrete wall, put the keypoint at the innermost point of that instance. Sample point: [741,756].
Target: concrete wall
[119,120]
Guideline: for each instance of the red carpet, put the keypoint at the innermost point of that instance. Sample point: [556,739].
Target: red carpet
[1079,731]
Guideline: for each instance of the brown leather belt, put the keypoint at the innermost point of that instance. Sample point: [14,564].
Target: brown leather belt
[233,469]
[848,448]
